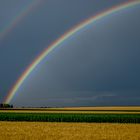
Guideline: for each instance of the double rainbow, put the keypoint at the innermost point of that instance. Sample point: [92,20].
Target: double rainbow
[16,19]
[60,40]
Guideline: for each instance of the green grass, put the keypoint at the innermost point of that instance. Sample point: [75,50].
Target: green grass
[71,117]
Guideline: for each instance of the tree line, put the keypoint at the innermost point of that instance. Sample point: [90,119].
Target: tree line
[2,105]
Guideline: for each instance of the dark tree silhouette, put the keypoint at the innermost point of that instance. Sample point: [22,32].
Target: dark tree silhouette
[3,105]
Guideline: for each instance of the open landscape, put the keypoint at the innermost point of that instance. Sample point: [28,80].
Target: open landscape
[69,69]
[98,123]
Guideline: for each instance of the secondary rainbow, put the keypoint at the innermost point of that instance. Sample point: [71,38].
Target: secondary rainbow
[60,40]
[16,19]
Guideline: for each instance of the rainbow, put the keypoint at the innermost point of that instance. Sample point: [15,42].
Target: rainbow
[60,40]
[16,19]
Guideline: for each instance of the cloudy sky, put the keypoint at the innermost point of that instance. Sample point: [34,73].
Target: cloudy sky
[97,66]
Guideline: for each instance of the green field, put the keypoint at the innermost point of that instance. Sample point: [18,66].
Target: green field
[75,114]
[70,117]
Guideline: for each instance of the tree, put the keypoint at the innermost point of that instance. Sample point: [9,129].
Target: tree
[3,105]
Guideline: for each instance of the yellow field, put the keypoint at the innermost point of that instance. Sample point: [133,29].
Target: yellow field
[68,131]
[120,110]
[99,112]
[104,108]
[88,108]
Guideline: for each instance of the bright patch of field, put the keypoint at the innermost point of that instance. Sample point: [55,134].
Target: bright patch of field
[106,108]
[119,110]
[88,108]
[68,131]
[80,112]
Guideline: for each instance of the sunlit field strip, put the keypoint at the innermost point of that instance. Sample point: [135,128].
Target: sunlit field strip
[122,110]
[87,112]
[68,131]
[105,108]
[85,108]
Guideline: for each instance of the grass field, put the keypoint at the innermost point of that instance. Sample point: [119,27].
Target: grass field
[68,131]
[70,117]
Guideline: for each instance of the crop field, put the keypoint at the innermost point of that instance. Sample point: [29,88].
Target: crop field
[115,110]
[68,131]
[82,114]
[83,123]
[71,117]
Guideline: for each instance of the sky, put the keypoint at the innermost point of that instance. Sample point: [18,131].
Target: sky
[97,66]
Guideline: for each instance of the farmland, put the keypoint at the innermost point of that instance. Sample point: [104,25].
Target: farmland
[71,117]
[119,110]
[83,114]
[70,131]
[83,123]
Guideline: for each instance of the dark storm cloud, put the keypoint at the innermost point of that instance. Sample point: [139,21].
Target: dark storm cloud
[47,23]
[98,66]
[35,31]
